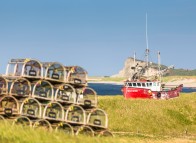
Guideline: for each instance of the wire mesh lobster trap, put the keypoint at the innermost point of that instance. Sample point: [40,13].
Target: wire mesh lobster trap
[3,86]
[42,124]
[31,108]
[55,72]
[76,75]
[20,88]
[87,97]
[84,130]
[54,111]
[75,114]
[43,90]
[29,68]
[97,119]
[65,128]
[23,120]
[9,106]
[65,94]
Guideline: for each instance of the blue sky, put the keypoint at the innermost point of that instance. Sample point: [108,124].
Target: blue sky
[98,34]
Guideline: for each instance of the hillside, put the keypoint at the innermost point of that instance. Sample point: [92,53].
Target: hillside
[181,72]
[129,62]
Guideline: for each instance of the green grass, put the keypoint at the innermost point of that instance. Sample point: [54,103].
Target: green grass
[138,121]
[155,117]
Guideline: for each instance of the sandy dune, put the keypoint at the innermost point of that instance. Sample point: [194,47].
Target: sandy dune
[185,82]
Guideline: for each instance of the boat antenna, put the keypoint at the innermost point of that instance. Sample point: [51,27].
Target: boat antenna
[134,55]
[147,49]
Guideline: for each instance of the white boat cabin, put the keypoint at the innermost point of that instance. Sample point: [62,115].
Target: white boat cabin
[152,85]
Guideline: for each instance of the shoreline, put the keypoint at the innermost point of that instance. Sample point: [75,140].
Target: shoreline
[190,83]
[106,82]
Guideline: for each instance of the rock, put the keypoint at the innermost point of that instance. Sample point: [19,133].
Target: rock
[127,71]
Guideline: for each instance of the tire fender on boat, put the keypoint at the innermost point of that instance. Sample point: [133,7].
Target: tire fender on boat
[158,95]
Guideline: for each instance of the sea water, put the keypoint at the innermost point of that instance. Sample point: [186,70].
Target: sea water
[115,89]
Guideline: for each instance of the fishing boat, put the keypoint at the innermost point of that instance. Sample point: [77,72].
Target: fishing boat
[141,84]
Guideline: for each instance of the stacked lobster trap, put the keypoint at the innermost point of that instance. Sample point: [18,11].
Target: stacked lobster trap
[52,96]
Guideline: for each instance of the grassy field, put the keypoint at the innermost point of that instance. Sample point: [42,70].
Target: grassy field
[140,121]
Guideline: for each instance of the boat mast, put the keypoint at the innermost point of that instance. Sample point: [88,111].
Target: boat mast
[147,49]
[159,65]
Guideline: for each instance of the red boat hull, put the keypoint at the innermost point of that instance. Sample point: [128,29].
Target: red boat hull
[130,92]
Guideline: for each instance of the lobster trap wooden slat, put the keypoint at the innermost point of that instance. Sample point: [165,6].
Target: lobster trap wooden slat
[2,118]
[65,94]
[104,133]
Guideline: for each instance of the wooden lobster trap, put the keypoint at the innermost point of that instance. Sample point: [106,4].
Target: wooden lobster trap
[54,111]
[87,97]
[75,115]
[28,68]
[9,106]
[42,124]
[76,75]
[43,90]
[20,88]
[65,94]
[23,120]
[84,130]
[31,108]
[97,119]
[3,86]
[55,72]
[65,128]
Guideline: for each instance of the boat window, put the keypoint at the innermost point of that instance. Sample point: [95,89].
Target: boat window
[157,83]
[143,84]
[149,84]
[154,84]
[130,84]
[134,84]
[138,84]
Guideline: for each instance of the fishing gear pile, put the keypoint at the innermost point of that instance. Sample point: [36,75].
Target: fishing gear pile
[52,96]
